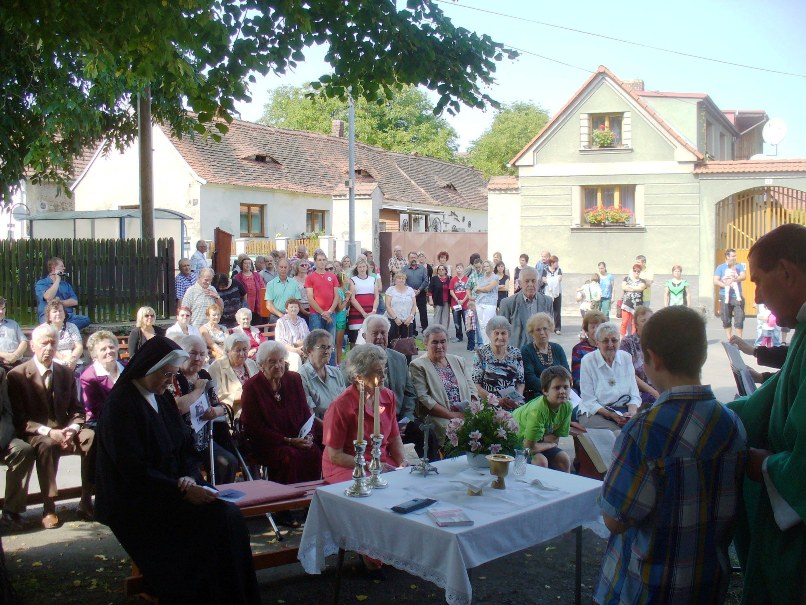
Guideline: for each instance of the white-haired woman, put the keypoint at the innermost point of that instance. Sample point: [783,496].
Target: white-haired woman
[273,412]
[291,331]
[198,403]
[608,388]
[232,371]
[144,329]
[498,366]
[255,336]
[365,363]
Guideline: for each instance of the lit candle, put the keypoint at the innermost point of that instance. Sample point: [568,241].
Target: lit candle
[376,411]
[360,436]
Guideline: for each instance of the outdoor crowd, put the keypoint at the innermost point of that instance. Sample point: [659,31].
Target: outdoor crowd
[257,366]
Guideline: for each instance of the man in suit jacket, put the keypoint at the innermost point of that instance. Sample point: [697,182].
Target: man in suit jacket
[19,457]
[49,417]
[519,307]
[376,331]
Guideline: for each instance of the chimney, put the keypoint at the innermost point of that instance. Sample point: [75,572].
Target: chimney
[337,128]
[636,85]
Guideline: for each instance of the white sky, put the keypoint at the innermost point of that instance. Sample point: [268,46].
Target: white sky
[763,34]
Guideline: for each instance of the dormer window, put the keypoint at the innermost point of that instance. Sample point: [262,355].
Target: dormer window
[449,187]
[361,172]
[606,122]
[261,158]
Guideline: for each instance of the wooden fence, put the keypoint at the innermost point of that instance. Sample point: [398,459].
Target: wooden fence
[112,278]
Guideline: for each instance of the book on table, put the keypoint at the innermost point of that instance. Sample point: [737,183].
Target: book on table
[450,517]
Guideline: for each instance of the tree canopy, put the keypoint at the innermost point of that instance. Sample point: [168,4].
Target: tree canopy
[70,71]
[405,122]
[512,128]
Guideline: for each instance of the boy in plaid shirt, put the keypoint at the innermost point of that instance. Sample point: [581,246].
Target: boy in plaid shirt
[672,494]
[470,324]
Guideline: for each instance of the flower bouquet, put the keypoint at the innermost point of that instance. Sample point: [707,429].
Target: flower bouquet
[485,429]
[608,214]
[603,137]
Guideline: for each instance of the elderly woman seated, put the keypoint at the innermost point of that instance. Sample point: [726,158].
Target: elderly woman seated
[365,364]
[96,384]
[274,411]
[632,344]
[322,382]
[540,353]
[255,336]
[291,331]
[199,405]
[442,382]
[498,366]
[590,321]
[232,371]
[607,383]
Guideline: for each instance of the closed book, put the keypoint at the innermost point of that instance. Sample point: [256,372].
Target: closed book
[450,517]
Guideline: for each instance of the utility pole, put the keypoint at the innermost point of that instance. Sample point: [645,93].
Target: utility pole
[352,250]
[146,164]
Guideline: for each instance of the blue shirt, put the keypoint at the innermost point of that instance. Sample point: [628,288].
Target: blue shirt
[606,284]
[63,292]
[720,273]
[676,482]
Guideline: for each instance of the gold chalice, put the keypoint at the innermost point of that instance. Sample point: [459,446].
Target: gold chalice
[499,466]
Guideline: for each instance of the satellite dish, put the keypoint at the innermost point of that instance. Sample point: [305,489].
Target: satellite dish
[774,131]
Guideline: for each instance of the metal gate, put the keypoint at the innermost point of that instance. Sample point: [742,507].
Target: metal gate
[745,216]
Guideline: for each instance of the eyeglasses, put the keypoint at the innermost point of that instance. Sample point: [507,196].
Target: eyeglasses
[197,354]
[329,268]
[170,374]
[149,315]
[324,347]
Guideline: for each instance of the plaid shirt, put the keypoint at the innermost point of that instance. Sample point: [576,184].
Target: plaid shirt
[396,265]
[183,282]
[676,483]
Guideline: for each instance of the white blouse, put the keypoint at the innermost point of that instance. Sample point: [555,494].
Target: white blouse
[601,384]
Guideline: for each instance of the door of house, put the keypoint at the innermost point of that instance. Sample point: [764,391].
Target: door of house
[745,216]
[459,247]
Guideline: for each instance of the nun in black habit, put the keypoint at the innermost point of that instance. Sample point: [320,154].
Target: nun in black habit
[189,545]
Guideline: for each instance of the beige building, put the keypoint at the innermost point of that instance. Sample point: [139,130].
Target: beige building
[674,162]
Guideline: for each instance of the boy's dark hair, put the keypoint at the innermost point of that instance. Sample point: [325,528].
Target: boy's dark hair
[677,335]
[474,257]
[551,373]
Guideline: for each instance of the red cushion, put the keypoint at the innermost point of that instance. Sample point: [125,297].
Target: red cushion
[261,492]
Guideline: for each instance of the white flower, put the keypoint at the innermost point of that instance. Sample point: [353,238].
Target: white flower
[501,432]
[495,448]
[474,445]
[475,435]
[476,407]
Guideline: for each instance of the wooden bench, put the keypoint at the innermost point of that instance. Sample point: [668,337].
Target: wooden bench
[280,555]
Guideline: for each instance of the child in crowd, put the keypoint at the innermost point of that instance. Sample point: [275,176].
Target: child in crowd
[470,324]
[671,496]
[545,419]
[340,315]
[729,278]
[768,325]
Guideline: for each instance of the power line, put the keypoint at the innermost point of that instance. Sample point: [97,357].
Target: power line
[639,44]
[529,52]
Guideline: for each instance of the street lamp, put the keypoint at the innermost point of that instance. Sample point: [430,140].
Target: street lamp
[12,217]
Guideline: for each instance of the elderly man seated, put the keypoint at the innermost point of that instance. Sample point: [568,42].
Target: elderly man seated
[13,344]
[19,457]
[48,416]
[375,330]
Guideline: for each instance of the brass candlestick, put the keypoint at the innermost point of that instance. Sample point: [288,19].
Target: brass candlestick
[499,466]
[375,466]
[359,487]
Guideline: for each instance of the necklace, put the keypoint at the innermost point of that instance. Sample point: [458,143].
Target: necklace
[545,360]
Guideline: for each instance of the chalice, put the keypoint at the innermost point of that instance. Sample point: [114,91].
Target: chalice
[499,466]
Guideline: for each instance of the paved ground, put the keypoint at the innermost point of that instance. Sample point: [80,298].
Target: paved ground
[83,563]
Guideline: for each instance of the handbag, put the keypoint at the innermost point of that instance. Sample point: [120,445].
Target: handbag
[406,345]
[618,308]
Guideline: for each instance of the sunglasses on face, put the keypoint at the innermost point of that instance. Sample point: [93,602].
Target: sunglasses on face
[328,268]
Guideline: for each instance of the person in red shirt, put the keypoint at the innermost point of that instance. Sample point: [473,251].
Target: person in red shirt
[323,296]
[458,292]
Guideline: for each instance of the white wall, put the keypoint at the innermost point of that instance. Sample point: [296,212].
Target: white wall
[504,234]
[285,213]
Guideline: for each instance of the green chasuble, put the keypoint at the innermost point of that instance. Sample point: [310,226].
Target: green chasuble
[775,419]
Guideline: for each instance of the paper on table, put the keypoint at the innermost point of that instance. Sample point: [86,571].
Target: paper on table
[197,410]
[306,428]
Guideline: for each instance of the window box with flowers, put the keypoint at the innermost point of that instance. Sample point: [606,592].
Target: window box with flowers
[603,137]
[608,215]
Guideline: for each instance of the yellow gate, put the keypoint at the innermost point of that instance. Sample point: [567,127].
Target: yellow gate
[745,216]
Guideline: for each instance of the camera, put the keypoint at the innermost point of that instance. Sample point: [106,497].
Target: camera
[63,274]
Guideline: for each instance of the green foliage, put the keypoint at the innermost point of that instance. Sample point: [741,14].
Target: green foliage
[70,71]
[512,129]
[404,123]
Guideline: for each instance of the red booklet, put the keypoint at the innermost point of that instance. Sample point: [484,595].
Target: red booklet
[450,517]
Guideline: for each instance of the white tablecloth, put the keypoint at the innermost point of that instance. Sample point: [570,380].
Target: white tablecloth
[506,521]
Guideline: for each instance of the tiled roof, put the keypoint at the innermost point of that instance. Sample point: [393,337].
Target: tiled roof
[307,162]
[747,166]
[635,96]
[503,183]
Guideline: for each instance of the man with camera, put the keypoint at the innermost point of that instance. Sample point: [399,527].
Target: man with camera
[53,286]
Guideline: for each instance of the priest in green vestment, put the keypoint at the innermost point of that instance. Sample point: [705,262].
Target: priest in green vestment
[771,535]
